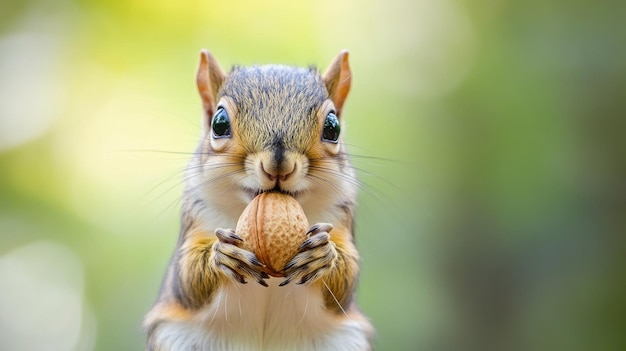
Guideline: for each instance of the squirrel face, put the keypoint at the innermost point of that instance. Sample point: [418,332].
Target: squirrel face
[273,128]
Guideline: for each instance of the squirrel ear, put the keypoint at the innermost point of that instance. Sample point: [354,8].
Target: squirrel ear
[209,79]
[337,79]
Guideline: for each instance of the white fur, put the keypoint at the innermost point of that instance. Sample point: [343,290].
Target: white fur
[251,317]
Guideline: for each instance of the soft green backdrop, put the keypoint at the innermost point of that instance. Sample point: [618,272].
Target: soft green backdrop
[489,134]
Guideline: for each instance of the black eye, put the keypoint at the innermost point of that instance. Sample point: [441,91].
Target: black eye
[221,124]
[331,128]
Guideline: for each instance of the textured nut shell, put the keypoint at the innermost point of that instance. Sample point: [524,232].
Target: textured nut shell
[272,226]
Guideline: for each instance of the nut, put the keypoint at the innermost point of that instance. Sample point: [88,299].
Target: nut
[272,226]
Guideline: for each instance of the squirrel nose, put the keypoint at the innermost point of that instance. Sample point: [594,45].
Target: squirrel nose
[281,172]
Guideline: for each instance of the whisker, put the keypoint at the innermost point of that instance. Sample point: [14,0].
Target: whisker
[351,179]
[324,181]
[157,151]
[217,308]
[192,189]
[327,165]
[226,308]
[335,298]
[306,308]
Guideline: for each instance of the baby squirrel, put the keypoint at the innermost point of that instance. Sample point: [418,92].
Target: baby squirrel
[265,128]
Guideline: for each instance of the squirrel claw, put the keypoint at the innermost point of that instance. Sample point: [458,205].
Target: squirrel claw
[228,236]
[234,261]
[315,256]
[232,273]
[309,276]
[314,241]
[256,262]
[319,228]
[262,282]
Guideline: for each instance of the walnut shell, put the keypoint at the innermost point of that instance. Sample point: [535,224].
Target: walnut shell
[272,226]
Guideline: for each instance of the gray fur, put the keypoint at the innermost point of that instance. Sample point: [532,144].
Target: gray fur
[289,96]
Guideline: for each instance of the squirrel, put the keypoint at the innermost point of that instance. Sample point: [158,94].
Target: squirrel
[265,128]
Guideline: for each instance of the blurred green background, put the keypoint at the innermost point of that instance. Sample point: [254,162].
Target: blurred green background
[489,136]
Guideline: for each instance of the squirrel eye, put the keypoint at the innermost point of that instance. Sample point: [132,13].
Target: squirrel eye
[221,124]
[331,128]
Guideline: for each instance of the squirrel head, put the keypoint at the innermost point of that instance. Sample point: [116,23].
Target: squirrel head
[274,127]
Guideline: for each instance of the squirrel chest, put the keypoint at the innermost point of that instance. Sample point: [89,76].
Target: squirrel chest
[265,129]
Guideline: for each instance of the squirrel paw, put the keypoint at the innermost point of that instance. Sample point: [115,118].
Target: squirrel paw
[315,256]
[235,262]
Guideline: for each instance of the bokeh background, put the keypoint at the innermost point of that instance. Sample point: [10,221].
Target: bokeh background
[489,136]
